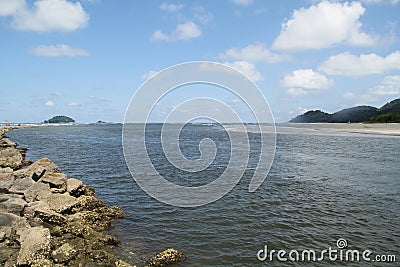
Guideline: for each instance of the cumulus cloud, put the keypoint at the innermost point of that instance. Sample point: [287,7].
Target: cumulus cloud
[45,15]
[390,85]
[393,2]
[183,31]
[50,103]
[253,52]
[296,91]
[351,65]
[247,68]
[243,2]
[60,50]
[324,25]
[306,79]
[171,7]
[74,104]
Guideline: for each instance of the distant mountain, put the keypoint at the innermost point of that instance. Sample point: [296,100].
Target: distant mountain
[390,112]
[60,119]
[313,116]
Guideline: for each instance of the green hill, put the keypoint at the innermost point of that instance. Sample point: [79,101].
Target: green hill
[60,119]
[355,114]
[390,112]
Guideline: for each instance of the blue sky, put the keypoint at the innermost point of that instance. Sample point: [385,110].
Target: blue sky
[86,59]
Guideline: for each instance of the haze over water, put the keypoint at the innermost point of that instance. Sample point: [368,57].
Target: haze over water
[321,187]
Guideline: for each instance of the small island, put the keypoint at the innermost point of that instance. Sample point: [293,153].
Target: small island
[388,113]
[60,119]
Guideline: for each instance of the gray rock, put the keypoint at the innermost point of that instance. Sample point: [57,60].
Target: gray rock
[12,220]
[57,181]
[62,203]
[6,179]
[6,143]
[35,244]
[75,187]
[37,169]
[37,191]
[12,203]
[20,186]
[11,157]
[50,217]
[63,254]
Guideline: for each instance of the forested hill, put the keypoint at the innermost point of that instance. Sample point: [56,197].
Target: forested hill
[390,112]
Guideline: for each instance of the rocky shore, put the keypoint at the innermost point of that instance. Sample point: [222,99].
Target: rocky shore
[48,219]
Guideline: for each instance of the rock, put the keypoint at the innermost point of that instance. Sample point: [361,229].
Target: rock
[20,186]
[12,203]
[7,143]
[90,203]
[12,220]
[75,187]
[121,263]
[50,217]
[37,169]
[166,257]
[6,179]
[37,192]
[35,244]
[57,181]
[63,254]
[11,157]
[62,203]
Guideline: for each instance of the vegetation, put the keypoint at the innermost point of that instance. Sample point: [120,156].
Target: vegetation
[60,119]
[312,116]
[390,112]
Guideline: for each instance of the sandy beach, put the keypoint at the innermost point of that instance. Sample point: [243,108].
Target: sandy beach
[391,129]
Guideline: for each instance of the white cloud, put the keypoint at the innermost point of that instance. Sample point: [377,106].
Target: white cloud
[247,68]
[183,31]
[253,52]
[74,104]
[45,15]
[243,2]
[352,65]
[296,91]
[324,25]
[149,74]
[171,7]
[393,2]
[202,15]
[50,103]
[11,7]
[60,50]
[390,85]
[306,79]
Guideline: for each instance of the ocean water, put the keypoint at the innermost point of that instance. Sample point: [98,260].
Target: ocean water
[321,187]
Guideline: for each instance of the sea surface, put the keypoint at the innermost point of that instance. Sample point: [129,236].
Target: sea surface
[321,187]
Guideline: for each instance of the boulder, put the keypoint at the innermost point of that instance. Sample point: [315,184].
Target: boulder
[57,181]
[11,157]
[9,223]
[61,203]
[6,143]
[35,244]
[20,186]
[165,258]
[12,203]
[63,254]
[37,191]
[37,169]
[6,179]
[75,187]
[50,217]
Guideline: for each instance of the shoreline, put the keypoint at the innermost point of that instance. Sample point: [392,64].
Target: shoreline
[49,219]
[387,129]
